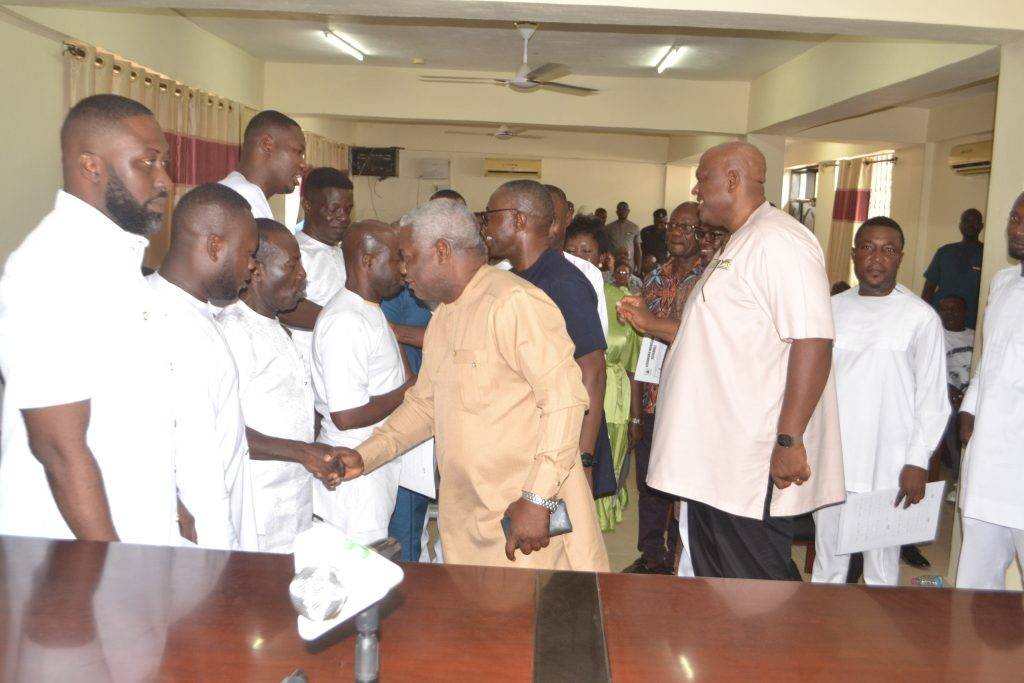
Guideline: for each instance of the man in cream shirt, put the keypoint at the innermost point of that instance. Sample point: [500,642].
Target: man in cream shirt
[889,361]
[754,344]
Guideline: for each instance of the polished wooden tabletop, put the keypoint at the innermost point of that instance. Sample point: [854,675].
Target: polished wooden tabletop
[92,611]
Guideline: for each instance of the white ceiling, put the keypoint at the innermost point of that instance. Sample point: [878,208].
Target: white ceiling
[496,46]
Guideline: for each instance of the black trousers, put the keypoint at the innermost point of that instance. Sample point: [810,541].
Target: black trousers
[733,547]
[658,533]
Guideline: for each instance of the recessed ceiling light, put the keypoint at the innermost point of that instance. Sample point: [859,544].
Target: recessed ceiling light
[671,57]
[343,44]
[418,60]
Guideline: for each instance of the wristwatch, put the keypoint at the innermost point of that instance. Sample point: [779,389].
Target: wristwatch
[588,459]
[537,500]
[788,440]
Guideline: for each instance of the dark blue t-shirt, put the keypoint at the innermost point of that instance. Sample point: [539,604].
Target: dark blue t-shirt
[405,309]
[956,269]
[573,294]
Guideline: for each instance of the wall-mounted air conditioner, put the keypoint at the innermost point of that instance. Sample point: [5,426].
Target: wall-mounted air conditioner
[512,168]
[971,158]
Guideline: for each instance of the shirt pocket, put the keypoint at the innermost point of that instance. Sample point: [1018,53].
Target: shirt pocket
[472,376]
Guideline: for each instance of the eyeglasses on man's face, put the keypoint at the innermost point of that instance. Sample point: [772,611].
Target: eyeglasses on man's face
[484,217]
[716,235]
[687,228]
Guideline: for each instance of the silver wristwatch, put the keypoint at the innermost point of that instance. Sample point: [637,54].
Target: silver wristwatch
[537,500]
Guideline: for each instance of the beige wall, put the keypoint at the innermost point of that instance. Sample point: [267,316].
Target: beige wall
[32,116]
[594,169]
[944,197]
[30,38]
[164,41]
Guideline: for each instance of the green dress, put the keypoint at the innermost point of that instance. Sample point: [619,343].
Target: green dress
[620,358]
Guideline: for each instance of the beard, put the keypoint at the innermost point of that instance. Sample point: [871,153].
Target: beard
[225,289]
[127,213]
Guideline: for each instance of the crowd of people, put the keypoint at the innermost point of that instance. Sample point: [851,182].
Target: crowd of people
[502,361]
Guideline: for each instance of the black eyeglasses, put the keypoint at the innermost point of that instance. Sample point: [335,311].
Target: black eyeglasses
[687,228]
[484,217]
[716,235]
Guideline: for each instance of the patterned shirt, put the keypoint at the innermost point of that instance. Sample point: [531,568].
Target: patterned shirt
[662,292]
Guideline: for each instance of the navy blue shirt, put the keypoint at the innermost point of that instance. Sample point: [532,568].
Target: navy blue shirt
[956,269]
[575,297]
[405,309]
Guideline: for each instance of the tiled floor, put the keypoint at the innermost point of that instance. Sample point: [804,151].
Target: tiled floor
[621,543]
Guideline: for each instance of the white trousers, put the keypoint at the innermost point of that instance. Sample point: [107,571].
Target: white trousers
[685,563]
[881,566]
[986,554]
[362,507]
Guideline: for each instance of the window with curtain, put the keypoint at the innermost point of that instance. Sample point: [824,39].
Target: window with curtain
[802,193]
[882,166]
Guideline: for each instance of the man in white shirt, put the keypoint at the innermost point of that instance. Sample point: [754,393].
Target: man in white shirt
[360,377]
[213,239]
[273,159]
[327,206]
[87,423]
[889,362]
[756,335]
[276,392]
[991,422]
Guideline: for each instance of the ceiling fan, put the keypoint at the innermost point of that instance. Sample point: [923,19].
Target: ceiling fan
[524,79]
[503,133]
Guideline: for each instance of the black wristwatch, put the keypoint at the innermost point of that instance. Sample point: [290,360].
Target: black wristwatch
[587,459]
[788,440]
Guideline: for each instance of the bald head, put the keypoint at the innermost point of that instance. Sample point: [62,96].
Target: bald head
[730,184]
[531,199]
[372,260]
[745,158]
[367,237]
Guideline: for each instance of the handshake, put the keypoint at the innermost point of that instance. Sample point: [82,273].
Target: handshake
[331,465]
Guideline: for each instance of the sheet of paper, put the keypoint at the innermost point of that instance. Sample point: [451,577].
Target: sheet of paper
[869,520]
[652,355]
[418,469]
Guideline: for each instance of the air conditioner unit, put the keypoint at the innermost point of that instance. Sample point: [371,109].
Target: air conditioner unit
[972,158]
[512,168]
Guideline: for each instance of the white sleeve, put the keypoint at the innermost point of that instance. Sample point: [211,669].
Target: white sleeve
[602,303]
[341,351]
[931,397]
[241,347]
[199,465]
[47,336]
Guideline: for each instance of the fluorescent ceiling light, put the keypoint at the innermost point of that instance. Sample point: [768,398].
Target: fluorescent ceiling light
[671,57]
[343,44]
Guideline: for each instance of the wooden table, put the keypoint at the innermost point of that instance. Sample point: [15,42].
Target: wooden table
[92,611]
